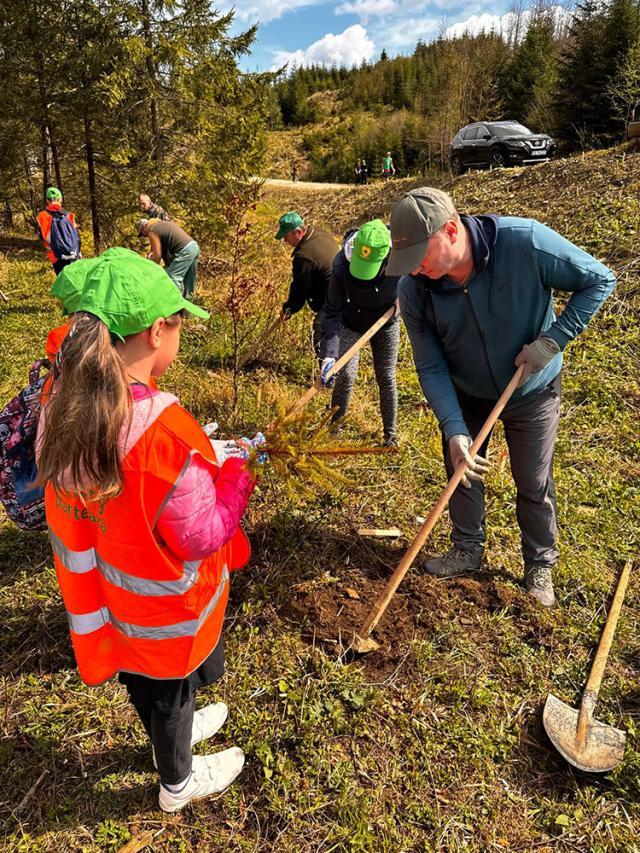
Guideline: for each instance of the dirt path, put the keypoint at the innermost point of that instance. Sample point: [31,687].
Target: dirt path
[306,185]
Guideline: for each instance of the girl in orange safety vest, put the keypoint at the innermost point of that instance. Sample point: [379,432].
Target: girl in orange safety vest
[143,514]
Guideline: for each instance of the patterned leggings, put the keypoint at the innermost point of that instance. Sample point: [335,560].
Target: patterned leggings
[384,346]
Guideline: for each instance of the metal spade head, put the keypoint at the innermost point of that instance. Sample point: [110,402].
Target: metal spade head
[603,746]
[364,645]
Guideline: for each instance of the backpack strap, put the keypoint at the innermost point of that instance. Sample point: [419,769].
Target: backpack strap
[36,367]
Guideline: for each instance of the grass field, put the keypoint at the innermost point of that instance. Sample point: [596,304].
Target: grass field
[433,743]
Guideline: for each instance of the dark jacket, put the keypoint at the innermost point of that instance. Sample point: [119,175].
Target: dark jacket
[312,261]
[354,303]
[468,337]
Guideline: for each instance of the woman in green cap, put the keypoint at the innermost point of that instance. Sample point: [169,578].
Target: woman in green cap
[143,514]
[359,293]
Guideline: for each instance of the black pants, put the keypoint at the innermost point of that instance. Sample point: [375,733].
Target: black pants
[166,708]
[170,734]
[58,266]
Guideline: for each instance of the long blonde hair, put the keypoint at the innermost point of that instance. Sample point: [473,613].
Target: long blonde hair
[89,405]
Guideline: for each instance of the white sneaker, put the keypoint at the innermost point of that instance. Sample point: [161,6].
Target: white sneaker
[206,722]
[210,774]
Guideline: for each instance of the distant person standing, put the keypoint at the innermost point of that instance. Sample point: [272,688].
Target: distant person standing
[388,169]
[179,251]
[151,209]
[294,171]
[58,230]
[358,172]
[364,172]
[312,262]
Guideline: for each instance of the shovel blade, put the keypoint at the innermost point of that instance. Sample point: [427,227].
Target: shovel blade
[364,645]
[603,748]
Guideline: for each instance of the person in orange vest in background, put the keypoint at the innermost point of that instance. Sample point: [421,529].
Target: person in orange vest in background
[143,514]
[58,230]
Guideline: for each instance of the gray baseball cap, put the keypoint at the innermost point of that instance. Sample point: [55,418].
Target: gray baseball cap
[414,219]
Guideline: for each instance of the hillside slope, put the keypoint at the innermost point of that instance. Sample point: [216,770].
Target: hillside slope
[433,743]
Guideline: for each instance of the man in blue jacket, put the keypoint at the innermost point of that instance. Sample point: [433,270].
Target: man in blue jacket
[476,299]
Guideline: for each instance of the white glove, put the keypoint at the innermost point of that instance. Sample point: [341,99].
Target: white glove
[225,450]
[459,452]
[536,356]
[327,365]
[210,428]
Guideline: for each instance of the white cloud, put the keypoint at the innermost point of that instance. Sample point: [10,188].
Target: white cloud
[366,9]
[347,48]
[408,31]
[503,24]
[484,23]
[264,11]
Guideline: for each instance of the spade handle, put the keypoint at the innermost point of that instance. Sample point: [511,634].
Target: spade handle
[310,393]
[594,681]
[270,329]
[429,523]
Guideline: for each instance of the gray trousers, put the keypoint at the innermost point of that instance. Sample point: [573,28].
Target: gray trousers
[530,426]
[384,347]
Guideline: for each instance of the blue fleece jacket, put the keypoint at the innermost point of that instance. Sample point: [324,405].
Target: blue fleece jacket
[468,337]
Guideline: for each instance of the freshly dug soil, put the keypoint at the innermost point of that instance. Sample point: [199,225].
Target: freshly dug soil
[332,615]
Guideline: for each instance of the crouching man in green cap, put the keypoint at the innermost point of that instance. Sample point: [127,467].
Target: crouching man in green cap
[312,259]
[476,299]
[360,292]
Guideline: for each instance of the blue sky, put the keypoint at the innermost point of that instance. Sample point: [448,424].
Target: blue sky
[348,31]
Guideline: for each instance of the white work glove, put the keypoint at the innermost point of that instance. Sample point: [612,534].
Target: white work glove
[226,450]
[459,452]
[327,365]
[536,356]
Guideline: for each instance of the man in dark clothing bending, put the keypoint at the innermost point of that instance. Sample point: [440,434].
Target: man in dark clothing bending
[312,262]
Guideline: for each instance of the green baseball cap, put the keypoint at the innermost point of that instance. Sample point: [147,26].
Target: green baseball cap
[126,291]
[414,219]
[289,222]
[53,194]
[370,248]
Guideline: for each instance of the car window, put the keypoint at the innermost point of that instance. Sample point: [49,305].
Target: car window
[483,131]
[515,129]
[468,133]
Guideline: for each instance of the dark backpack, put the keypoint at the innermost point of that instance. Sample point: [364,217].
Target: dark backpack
[23,502]
[64,238]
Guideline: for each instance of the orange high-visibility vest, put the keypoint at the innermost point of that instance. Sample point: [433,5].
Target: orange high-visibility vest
[132,604]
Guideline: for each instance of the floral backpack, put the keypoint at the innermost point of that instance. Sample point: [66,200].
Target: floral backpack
[23,502]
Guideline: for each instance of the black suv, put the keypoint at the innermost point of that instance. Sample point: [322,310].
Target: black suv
[498,143]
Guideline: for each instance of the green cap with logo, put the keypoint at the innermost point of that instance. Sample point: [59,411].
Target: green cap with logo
[370,248]
[414,219]
[126,291]
[53,194]
[289,222]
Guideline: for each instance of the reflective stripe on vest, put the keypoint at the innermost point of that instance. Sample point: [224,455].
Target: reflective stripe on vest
[81,562]
[87,623]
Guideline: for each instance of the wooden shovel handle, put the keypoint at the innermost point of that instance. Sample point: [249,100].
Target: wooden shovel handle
[429,523]
[340,363]
[600,660]
[258,343]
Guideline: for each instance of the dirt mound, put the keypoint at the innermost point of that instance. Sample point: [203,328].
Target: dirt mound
[332,615]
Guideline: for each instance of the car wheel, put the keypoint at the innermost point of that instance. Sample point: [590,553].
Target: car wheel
[497,159]
[456,165]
